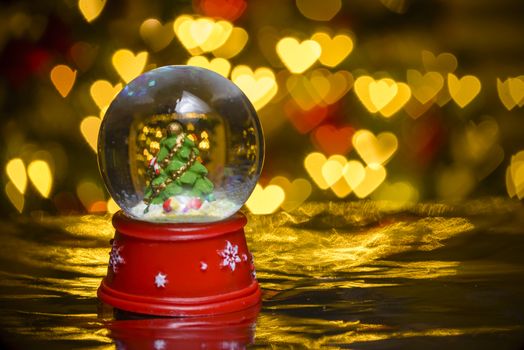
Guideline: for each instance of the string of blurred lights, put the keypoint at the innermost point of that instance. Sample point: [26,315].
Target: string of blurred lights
[307,92]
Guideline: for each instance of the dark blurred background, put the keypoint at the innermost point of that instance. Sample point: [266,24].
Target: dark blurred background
[392,100]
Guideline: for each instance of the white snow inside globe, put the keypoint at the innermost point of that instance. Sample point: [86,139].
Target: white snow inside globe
[180,144]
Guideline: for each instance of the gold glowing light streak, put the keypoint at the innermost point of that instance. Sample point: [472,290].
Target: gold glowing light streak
[16,172]
[340,251]
[41,177]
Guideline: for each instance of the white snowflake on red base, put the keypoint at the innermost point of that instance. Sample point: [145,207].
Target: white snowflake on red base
[230,256]
[115,258]
[161,280]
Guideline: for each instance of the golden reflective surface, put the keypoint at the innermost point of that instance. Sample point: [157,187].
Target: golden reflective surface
[353,275]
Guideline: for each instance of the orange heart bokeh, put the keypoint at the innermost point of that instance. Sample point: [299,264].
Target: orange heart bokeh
[304,121]
[332,140]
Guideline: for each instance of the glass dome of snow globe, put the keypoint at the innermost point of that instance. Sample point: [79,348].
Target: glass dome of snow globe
[180,144]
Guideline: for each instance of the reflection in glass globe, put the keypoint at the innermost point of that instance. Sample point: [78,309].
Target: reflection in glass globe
[180,144]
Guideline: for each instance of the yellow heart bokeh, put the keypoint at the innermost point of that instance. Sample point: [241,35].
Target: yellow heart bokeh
[41,177]
[259,86]
[319,10]
[385,95]
[15,197]
[516,89]
[463,90]
[504,94]
[515,176]
[128,65]
[382,92]
[424,87]
[298,56]
[478,140]
[341,188]
[201,34]
[103,93]
[333,169]
[233,45]
[399,100]
[375,149]
[89,193]
[63,78]
[511,92]
[89,128]
[362,91]
[415,109]
[400,193]
[331,87]
[303,92]
[91,9]
[313,164]
[354,173]
[156,35]
[455,182]
[375,174]
[16,173]
[334,50]
[265,200]
[296,192]
[217,65]
[443,63]
[333,174]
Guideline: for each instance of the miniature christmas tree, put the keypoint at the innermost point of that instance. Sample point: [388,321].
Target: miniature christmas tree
[176,169]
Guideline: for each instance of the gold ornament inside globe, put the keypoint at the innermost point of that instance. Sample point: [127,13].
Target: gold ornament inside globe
[174,128]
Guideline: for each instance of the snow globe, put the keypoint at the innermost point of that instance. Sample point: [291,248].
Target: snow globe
[180,150]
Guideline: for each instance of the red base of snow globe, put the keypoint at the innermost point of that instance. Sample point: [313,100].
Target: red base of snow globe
[170,269]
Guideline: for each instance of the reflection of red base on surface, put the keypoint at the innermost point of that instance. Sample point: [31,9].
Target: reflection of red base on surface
[180,269]
[228,331]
